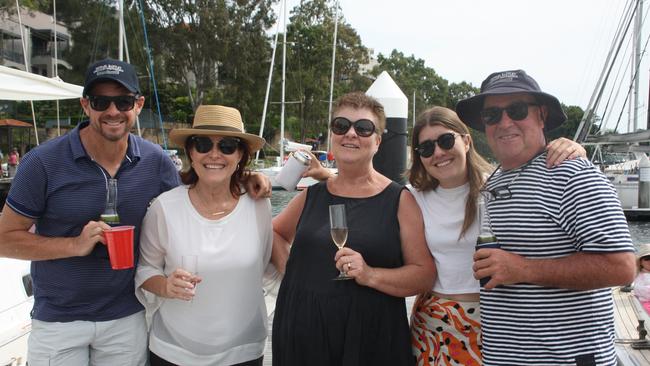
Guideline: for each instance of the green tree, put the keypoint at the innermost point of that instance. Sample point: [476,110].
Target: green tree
[568,129]
[411,74]
[309,56]
[459,91]
[213,48]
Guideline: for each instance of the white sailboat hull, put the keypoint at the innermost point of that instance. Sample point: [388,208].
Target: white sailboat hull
[15,307]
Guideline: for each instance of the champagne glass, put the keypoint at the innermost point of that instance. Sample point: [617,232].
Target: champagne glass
[339,231]
[190,263]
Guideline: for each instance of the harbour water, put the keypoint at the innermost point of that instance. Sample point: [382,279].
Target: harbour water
[639,230]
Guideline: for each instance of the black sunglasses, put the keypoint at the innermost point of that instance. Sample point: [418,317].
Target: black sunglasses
[123,103]
[446,141]
[363,127]
[227,145]
[516,111]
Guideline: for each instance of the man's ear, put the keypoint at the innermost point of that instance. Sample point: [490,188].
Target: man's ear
[543,113]
[85,104]
[139,103]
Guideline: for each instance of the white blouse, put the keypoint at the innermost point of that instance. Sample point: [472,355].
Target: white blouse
[226,322]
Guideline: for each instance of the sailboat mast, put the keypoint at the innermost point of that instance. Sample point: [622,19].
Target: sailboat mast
[121,30]
[635,66]
[268,81]
[329,113]
[55,67]
[284,70]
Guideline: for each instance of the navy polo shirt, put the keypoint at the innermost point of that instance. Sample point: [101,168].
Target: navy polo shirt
[61,188]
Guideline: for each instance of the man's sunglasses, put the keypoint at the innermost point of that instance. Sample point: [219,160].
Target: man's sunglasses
[446,141]
[123,103]
[227,145]
[363,127]
[516,111]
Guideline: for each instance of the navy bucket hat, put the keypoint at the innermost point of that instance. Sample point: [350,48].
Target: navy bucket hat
[112,70]
[509,82]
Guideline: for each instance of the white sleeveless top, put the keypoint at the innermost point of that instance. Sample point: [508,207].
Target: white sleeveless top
[444,212]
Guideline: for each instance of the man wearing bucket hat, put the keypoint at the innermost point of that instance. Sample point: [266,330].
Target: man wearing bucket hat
[230,233]
[562,234]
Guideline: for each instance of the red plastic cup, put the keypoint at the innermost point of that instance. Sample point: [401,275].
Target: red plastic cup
[119,240]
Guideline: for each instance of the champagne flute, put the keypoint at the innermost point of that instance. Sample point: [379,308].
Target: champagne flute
[339,232]
[190,263]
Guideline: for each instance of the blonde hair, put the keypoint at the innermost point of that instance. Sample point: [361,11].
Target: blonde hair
[477,167]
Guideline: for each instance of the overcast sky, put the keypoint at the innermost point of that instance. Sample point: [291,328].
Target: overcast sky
[561,43]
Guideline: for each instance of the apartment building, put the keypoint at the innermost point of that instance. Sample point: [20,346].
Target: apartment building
[38,31]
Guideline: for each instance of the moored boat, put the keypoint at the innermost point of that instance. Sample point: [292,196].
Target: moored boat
[16,305]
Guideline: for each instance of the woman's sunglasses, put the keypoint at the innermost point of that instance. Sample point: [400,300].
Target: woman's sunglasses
[123,103]
[516,111]
[363,127]
[446,141]
[227,145]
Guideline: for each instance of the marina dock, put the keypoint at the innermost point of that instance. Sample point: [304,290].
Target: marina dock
[627,335]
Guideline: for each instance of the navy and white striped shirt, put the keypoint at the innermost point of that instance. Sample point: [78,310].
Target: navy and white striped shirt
[552,213]
[61,188]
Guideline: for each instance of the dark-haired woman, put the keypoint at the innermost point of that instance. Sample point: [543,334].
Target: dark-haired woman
[214,313]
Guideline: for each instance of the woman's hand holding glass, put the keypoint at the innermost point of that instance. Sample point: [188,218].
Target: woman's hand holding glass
[352,263]
[181,284]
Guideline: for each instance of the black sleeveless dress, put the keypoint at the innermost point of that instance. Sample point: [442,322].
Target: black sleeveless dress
[321,322]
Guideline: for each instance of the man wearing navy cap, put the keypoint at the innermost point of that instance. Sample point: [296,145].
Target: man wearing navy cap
[562,233]
[86,313]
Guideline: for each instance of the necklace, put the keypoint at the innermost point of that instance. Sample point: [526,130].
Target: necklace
[206,208]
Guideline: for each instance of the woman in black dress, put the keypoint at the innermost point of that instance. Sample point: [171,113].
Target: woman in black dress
[361,321]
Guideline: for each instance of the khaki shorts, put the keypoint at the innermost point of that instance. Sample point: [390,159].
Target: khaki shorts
[80,343]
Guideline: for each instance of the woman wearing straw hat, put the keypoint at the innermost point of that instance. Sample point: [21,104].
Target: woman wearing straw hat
[204,249]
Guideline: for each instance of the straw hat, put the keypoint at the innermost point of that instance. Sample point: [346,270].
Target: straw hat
[644,251]
[217,120]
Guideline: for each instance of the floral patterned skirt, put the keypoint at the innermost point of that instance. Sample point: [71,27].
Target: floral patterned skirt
[445,332]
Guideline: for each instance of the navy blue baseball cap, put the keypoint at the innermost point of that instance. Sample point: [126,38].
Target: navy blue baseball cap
[112,70]
[509,82]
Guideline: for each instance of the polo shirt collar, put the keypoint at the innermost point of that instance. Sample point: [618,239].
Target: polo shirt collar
[78,151]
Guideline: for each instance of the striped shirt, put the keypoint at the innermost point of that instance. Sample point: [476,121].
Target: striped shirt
[552,213]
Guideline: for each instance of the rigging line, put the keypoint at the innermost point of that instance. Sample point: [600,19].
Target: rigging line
[268,83]
[100,24]
[616,85]
[153,77]
[23,42]
[631,85]
[586,121]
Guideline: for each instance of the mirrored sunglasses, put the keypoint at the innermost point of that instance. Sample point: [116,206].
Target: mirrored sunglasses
[123,103]
[227,145]
[363,127]
[516,111]
[446,141]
